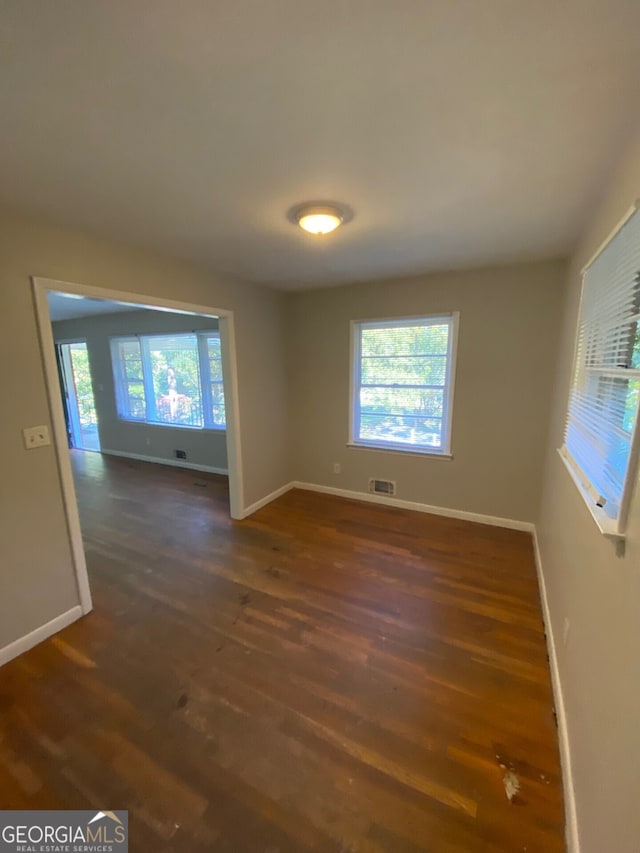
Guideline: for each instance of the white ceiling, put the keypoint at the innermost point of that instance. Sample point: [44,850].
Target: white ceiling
[62,306]
[460,132]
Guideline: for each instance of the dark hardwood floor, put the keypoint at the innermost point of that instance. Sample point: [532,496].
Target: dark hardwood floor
[327,675]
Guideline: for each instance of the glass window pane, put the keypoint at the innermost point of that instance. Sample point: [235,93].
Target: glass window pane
[425,403]
[631,405]
[215,375]
[217,404]
[84,387]
[175,373]
[635,346]
[430,339]
[128,378]
[135,400]
[401,429]
[404,370]
[131,359]
[215,358]
[159,379]
[403,376]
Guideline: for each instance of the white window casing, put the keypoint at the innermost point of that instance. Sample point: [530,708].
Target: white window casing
[402,381]
[170,379]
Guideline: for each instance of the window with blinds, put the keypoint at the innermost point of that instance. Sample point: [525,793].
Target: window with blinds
[600,442]
[403,383]
[170,379]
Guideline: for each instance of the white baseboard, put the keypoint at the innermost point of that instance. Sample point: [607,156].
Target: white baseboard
[571,816]
[32,639]
[160,460]
[254,507]
[494,520]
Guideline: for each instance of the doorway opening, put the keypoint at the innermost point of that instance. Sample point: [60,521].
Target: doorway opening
[77,395]
[138,377]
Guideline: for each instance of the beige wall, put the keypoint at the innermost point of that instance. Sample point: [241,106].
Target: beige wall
[36,578]
[509,320]
[202,446]
[599,593]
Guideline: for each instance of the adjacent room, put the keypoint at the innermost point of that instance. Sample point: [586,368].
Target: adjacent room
[140,383]
[321,374]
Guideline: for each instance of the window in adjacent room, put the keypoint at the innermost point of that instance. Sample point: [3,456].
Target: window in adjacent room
[600,441]
[174,380]
[403,372]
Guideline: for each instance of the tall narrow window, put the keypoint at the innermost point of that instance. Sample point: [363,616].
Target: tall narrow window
[127,368]
[216,387]
[403,383]
[174,380]
[600,443]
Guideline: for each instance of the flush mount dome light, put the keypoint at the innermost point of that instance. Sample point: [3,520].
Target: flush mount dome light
[319,219]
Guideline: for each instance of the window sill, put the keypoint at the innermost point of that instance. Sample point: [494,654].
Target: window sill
[406,451]
[172,426]
[606,525]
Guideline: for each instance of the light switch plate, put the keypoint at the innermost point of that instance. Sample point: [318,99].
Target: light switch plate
[37,436]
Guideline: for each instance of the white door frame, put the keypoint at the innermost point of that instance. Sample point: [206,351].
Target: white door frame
[43,286]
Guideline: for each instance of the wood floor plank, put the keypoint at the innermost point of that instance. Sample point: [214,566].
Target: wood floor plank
[326,675]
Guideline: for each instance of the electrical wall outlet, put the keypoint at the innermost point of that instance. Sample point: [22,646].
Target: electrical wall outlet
[37,436]
[566,629]
[337,468]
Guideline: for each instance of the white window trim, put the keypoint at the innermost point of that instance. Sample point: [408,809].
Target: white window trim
[354,385]
[612,528]
[606,525]
[205,390]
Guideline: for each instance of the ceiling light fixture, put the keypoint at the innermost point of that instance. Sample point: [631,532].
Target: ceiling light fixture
[319,219]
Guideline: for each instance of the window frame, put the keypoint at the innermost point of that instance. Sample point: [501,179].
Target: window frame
[120,380]
[611,527]
[355,367]
[204,377]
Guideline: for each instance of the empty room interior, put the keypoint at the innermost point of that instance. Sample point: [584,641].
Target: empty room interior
[320,381]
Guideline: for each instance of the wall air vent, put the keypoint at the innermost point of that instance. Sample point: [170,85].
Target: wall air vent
[382,487]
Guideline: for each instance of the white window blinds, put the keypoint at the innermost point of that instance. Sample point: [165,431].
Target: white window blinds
[599,437]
